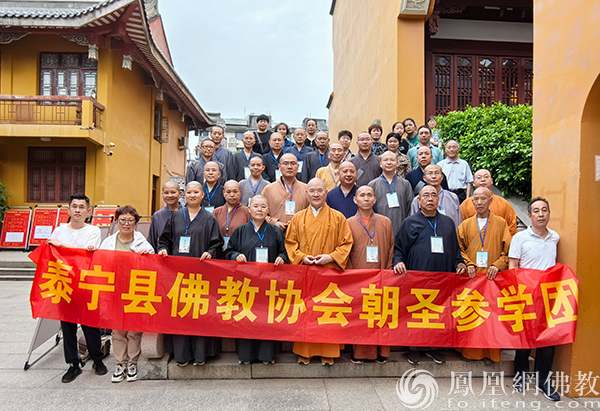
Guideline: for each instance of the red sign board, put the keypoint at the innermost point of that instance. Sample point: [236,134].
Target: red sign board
[44,222]
[107,212]
[63,216]
[15,229]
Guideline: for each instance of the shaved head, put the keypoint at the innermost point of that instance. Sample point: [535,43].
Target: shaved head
[170,183]
[231,184]
[362,189]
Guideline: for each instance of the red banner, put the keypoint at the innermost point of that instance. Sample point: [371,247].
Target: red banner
[15,228]
[179,295]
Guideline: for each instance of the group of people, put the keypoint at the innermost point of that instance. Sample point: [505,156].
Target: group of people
[398,206]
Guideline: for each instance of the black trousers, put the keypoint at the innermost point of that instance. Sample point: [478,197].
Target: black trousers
[543,362]
[461,194]
[92,338]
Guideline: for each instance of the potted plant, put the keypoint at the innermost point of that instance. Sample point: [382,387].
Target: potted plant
[3,202]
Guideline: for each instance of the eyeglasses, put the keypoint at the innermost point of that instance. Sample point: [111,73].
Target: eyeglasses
[316,191]
[208,147]
[126,222]
[289,163]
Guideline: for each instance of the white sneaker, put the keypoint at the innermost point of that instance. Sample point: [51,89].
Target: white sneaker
[131,372]
[119,374]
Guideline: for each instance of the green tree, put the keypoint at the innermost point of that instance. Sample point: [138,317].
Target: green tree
[497,138]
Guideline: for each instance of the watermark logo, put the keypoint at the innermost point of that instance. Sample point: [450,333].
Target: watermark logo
[417,389]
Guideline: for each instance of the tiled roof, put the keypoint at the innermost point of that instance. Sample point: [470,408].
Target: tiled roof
[48,10]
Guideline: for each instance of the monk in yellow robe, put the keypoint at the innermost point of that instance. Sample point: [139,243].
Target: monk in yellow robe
[287,195]
[373,248]
[484,242]
[329,173]
[319,236]
[499,206]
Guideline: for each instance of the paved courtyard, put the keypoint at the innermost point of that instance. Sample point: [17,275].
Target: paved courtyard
[40,386]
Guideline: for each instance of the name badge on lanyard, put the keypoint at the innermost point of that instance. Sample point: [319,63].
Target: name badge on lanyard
[262,254]
[246,172]
[392,199]
[372,254]
[209,209]
[300,163]
[225,242]
[184,244]
[290,207]
[442,212]
[277,174]
[437,245]
[482,259]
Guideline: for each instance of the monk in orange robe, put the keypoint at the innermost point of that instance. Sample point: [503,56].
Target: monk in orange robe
[286,196]
[319,236]
[499,205]
[370,230]
[484,242]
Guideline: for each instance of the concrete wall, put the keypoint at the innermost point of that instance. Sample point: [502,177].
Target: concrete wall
[378,67]
[566,130]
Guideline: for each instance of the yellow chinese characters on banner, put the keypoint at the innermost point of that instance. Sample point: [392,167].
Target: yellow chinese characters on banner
[470,310]
[516,301]
[293,300]
[192,292]
[236,291]
[96,273]
[425,306]
[381,305]
[58,282]
[560,298]
[142,289]
[328,310]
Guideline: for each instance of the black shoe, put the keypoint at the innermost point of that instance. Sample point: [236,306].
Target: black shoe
[71,373]
[380,359]
[548,391]
[413,357]
[356,360]
[436,356]
[100,367]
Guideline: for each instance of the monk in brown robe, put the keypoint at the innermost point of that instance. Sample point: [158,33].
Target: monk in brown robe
[484,241]
[286,196]
[499,206]
[233,214]
[373,247]
[318,235]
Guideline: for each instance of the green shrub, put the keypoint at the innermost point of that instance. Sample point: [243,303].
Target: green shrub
[497,138]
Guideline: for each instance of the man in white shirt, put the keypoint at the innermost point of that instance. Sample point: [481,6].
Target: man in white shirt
[78,234]
[535,248]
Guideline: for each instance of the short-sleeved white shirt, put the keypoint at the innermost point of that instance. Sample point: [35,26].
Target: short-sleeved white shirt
[534,251]
[88,235]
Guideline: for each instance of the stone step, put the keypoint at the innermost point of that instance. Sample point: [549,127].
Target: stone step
[16,273]
[225,366]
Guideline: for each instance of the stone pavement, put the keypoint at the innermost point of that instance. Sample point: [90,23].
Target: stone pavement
[40,386]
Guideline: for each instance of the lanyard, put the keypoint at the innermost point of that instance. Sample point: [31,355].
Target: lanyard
[260,237]
[185,212]
[291,190]
[332,176]
[298,150]
[219,156]
[442,200]
[208,195]
[203,163]
[388,186]
[484,232]
[273,157]
[322,159]
[371,236]
[254,190]
[167,208]
[246,159]
[433,227]
[228,220]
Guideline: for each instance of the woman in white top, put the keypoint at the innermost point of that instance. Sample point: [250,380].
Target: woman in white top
[127,344]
